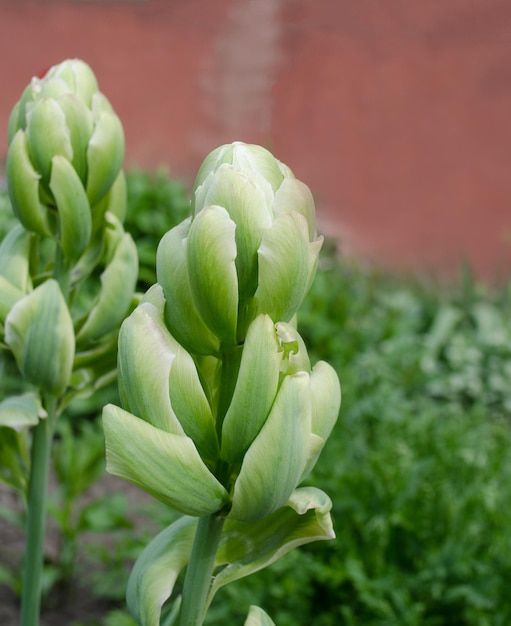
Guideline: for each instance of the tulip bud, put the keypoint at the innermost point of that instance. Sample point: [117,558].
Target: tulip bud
[65,154]
[249,248]
[39,331]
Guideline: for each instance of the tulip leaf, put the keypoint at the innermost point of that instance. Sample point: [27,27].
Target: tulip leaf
[165,465]
[24,187]
[181,316]
[21,412]
[255,391]
[274,463]
[211,254]
[146,352]
[117,287]
[73,208]
[258,617]
[247,547]
[154,574]
[10,295]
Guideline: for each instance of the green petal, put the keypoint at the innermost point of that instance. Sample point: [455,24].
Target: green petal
[79,121]
[39,331]
[241,194]
[191,405]
[211,254]
[23,187]
[146,352]
[287,262]
[73,208]
[79,77]
[154,574]
[274,463]
[255,389]
[48,135]
[10,295]
[117,287]
[105,155]
[165,465]
[258,159]
[181,315]
[293,195]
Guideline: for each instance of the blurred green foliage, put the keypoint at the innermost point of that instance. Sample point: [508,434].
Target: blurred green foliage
[419,464]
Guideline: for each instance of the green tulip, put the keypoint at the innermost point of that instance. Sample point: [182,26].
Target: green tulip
[66,148]
[250,247]
[39,331]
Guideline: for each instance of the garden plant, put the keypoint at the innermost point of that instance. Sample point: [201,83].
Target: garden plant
[223,416]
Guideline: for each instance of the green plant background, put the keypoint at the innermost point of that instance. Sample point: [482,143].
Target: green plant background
[418,467]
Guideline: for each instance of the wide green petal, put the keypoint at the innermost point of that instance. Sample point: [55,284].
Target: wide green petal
[211,255]
[255,390]
[274,463]
[181,316]
[293,195]
[154,574]
[165,465]
[79,121]
[21,412]
[146,352]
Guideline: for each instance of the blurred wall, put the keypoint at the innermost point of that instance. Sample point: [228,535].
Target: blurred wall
[395,113]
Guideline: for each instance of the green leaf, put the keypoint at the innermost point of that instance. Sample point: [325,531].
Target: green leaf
[255,391]
[258,617]
[274,463]
[154,574]
[247,547]
[15,258]
[21,412]
[165,465]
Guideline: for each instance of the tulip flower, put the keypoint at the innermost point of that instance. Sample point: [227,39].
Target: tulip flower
[66,147]
[249,248]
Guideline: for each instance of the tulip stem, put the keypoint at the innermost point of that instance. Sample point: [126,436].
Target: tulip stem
[199,572]
[36,516]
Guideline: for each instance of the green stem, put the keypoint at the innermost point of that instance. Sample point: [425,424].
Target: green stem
[36,517]
[199,572]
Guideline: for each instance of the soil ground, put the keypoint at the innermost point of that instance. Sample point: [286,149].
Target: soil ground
[396,114]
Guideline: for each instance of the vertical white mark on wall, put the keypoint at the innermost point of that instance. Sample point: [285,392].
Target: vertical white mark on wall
[236,86]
